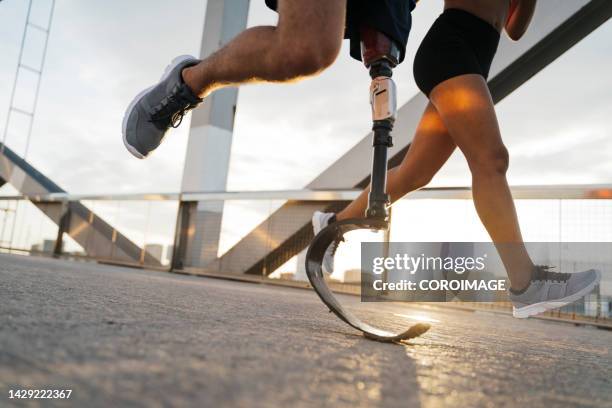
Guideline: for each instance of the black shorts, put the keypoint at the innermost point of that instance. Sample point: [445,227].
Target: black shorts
[458,43]
[391,17]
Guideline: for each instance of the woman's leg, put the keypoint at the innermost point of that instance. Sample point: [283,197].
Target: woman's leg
[431,147]
[466,108]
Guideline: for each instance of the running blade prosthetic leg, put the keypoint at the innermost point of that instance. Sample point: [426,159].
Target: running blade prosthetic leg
[380,56]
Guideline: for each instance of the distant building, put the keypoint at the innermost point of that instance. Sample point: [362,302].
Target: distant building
[155,250]
[47,246]
[351,276]
[169,254]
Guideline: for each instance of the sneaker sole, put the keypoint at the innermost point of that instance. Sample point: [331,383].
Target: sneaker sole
[173,64]
[541,307]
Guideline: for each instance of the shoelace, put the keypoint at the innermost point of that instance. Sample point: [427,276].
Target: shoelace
[172,108]
[543,273]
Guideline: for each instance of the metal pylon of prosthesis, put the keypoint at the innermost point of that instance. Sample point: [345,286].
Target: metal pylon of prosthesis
[380,56]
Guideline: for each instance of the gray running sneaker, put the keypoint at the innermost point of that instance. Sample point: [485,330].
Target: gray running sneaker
[321,220]
[158,108]
[552,290]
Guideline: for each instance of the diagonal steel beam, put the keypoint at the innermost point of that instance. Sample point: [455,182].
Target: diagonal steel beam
[557,26]
[97,237]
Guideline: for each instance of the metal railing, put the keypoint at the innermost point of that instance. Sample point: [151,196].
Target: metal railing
[554,192]
[140,214]
[538,192]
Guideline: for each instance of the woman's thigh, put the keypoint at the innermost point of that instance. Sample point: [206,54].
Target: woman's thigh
[465,106]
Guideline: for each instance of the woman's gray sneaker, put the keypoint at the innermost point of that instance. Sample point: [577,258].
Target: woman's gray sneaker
[158,108]
[552,290]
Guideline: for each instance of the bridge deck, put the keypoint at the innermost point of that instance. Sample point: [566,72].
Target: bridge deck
[125,336]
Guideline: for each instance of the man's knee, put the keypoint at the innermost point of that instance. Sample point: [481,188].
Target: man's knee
[492,161]
[301,57]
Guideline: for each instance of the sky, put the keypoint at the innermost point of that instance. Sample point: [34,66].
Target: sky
[101,53]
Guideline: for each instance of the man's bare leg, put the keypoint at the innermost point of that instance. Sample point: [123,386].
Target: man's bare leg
[466,108]
[430,149]
[306,41]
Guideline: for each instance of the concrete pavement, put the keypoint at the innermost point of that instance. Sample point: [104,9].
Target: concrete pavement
[126,337]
